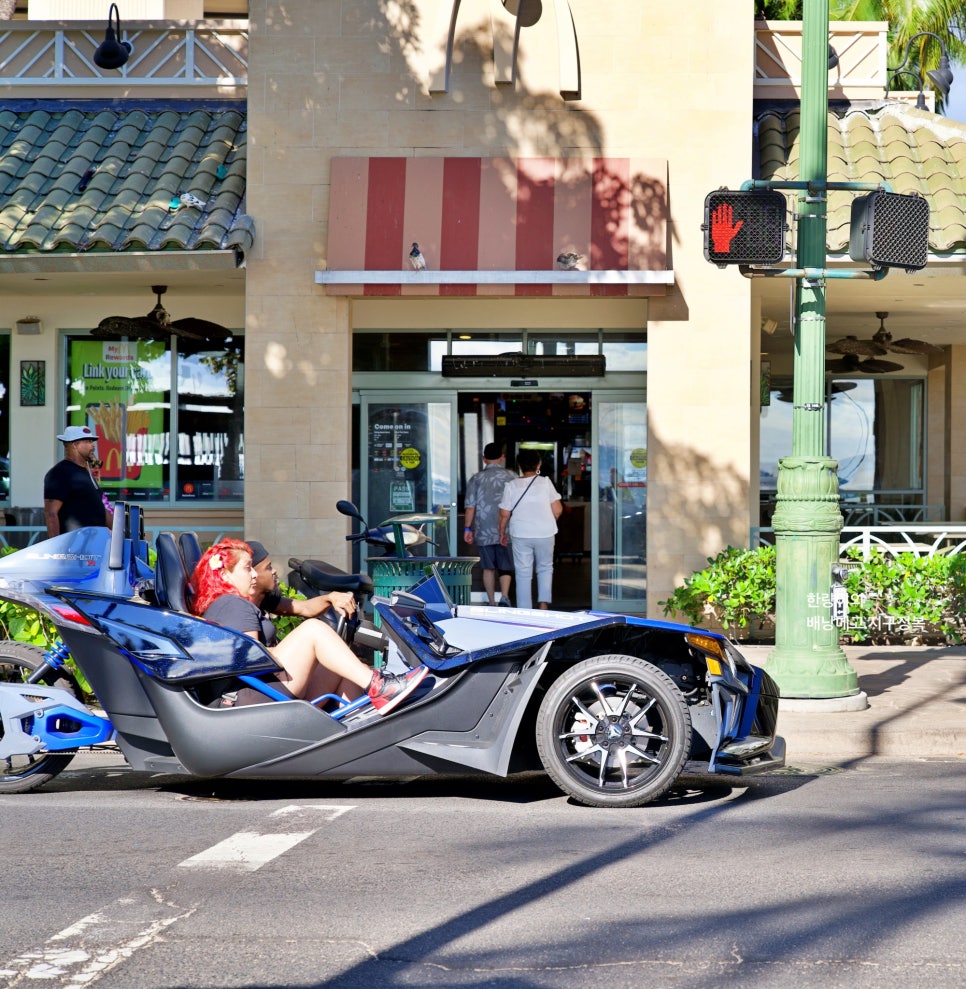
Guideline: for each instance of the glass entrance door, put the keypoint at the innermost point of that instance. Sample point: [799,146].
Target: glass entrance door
[620,502]
[408,460]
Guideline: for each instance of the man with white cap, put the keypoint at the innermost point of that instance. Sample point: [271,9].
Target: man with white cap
[72,498]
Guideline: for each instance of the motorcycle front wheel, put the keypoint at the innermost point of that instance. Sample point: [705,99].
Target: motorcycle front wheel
[613,731]
[22,773]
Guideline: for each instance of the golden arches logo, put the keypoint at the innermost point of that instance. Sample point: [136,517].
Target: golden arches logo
[112,462]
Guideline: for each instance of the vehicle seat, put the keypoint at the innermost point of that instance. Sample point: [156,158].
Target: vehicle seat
[190,551]
[170,576]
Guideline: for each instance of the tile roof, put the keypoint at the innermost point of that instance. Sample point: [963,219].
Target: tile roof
[98,178]
[911,150]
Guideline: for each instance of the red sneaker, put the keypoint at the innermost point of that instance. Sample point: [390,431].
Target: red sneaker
[389,690]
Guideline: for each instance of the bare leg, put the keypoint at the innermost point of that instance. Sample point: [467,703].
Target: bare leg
[489,585]
[505,579]
[319,662]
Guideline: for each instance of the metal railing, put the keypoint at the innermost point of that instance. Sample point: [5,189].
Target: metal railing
[211,55]
[920,540]
[859,514]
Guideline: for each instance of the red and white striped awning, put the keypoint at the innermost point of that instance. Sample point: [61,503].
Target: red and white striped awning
[495,226]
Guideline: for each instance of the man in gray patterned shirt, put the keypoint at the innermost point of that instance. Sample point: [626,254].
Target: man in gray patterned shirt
[483,493]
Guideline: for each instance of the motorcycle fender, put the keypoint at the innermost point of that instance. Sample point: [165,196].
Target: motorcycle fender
[55,721]
[487,746]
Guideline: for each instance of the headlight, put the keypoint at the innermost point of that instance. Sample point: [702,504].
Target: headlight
[714,651]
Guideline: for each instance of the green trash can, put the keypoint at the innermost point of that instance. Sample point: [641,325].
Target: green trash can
[390,574]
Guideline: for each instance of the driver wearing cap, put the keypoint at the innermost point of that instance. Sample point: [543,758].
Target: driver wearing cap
[268,597]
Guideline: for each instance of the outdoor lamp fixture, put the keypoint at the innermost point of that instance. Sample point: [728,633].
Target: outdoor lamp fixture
[30,325]
[941,77]
[112,53]
[527,12]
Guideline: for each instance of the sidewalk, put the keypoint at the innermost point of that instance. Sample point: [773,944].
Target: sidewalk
[917,708]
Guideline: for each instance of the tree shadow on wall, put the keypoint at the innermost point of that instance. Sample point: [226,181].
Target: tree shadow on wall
[523,120]
[699,507]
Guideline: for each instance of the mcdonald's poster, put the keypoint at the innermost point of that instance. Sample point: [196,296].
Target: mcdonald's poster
[118,388]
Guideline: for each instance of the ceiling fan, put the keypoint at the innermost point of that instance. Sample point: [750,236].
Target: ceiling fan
[837,387]
[905,345]
[159,324]
[881,343]
[850,363]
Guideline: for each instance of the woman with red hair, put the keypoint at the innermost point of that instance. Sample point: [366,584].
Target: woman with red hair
[313,659]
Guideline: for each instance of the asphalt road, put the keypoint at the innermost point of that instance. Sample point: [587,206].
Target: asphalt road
[814,877]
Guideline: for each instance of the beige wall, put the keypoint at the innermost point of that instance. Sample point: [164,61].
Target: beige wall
[352,79]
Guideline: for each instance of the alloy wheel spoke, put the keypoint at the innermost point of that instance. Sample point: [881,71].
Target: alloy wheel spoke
[642,754]
[593,750]
[601,699]
[604,756]
[622,762]
[645,707]
[656,735]
[585,711]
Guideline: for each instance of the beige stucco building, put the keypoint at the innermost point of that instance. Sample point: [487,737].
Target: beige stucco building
[373,124]
[356,80]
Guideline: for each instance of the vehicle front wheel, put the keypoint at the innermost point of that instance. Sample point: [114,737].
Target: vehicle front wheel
[22,773]
[613,731]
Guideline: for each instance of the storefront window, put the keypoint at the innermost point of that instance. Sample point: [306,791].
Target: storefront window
[622,351]
[211,409]
[875,433]
[474,343]
[415,350]
[399,351]
[621,464]
[122,389]
[5,386]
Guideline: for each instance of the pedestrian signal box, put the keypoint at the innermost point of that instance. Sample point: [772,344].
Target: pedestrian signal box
[745,226]
[890,230]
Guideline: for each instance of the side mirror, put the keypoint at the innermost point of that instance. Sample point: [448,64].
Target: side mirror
[347,508]
[403,601]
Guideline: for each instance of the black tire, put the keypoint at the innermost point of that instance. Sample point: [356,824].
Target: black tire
[637,733]
[20,774]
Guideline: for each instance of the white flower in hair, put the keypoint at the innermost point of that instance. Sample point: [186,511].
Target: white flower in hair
[216,562]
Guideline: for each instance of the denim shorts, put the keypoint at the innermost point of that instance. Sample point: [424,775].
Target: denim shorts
[496,557]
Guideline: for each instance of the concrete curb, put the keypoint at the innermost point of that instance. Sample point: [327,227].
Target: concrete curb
[916,708]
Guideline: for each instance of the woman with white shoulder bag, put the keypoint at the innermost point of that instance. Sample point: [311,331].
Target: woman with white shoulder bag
[529,511]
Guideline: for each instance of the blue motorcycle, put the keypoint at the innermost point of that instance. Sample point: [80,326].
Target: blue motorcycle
[613,707]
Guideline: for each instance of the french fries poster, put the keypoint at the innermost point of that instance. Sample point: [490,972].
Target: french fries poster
[112,390]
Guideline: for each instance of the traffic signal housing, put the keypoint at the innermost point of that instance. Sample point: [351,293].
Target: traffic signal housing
[745,226]
[890,230]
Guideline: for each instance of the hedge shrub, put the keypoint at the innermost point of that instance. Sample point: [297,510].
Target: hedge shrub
[892,599]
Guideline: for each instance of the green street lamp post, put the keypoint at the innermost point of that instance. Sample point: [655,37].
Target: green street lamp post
[807,661]
[747,227]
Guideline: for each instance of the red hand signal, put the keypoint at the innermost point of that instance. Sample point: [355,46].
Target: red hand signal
[723,228]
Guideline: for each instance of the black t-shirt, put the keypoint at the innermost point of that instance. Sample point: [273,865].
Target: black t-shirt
[242,615]
[271,602]
[73,485]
